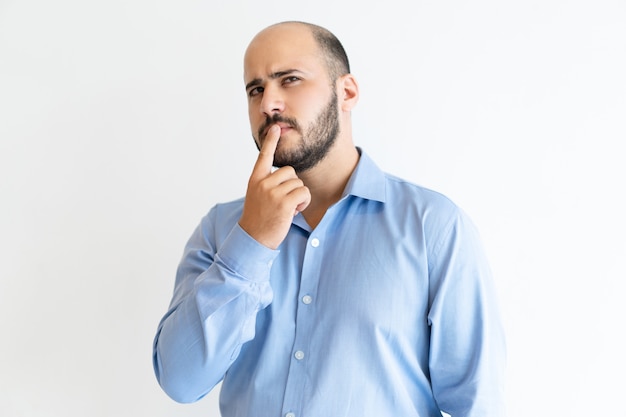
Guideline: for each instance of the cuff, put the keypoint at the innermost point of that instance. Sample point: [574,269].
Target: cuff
[247,257]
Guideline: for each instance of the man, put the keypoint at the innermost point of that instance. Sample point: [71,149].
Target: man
[332,288]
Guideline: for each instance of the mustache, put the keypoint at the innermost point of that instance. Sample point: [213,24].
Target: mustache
[277,118]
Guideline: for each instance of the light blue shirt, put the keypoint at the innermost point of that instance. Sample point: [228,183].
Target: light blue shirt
[386,308]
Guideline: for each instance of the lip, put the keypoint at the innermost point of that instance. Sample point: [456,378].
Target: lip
[284,127]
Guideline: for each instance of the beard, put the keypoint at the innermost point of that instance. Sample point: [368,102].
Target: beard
[314,144]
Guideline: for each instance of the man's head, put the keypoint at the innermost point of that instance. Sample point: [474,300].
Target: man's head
[296,75]
[331,49]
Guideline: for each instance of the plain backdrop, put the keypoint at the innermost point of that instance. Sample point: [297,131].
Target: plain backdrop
[123,121]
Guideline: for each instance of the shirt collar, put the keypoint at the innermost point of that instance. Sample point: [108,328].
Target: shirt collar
[367,181]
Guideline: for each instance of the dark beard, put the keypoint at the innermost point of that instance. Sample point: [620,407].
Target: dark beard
[315,143]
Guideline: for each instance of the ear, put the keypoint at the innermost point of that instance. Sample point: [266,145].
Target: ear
[348,92]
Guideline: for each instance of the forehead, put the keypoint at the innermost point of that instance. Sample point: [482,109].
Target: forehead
[279,48]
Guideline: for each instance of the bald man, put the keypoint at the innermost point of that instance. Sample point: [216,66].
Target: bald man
[332,288]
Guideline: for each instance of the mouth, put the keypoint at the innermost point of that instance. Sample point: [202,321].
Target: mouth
[284,128]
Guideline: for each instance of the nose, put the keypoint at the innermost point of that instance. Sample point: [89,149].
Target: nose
[273,101]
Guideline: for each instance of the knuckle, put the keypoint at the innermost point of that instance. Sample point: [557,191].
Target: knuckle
[289,170]
[296,183]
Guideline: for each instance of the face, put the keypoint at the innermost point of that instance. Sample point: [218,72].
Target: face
[313,144]
[287,84]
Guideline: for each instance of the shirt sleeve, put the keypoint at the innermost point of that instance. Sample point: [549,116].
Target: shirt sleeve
[217,295]
[467,352]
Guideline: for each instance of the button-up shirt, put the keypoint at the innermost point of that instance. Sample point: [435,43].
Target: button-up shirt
[386,308]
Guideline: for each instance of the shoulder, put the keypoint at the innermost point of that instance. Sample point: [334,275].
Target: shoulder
[220,220]
[397,194]
[439,217]
[226,210]
[427,201]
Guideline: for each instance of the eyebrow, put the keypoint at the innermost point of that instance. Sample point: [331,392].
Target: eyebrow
[273,76]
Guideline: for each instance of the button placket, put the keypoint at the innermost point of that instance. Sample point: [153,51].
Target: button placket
[310,274]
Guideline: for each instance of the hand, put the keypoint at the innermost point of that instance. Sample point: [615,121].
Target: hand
[272,198]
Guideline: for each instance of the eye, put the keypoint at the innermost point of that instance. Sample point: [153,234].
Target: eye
[290,80]
[255,91]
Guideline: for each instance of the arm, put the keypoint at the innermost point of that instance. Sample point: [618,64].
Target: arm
[220,288]
[212,312]
[467,357]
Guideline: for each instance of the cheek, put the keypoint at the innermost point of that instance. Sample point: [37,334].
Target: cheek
[255,121]
[308,103]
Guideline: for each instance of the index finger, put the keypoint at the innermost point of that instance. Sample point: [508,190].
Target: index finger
[265,160]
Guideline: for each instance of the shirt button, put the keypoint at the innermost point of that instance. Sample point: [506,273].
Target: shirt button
[307,299]
[315,242]
[299,355]
[290,415]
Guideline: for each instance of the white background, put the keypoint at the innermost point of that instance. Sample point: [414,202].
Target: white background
[123,121]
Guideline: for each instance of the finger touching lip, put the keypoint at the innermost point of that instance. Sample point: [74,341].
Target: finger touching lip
[284,129]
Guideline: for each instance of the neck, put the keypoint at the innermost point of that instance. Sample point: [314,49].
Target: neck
[327,180]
